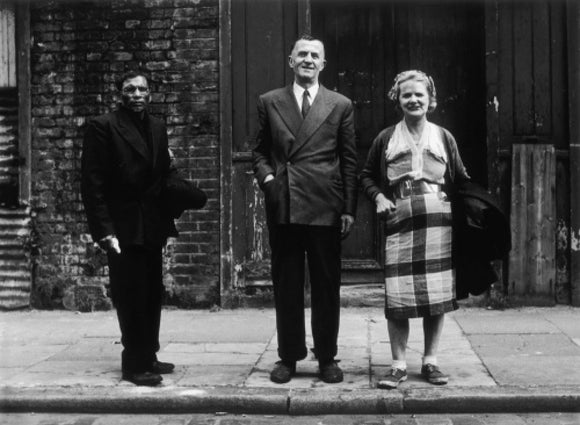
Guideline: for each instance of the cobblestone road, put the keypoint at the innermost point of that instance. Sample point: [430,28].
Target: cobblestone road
[225,419]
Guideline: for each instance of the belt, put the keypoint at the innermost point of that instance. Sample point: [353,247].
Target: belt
[407,188]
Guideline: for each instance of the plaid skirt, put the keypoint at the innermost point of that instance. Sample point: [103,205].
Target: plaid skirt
[419,275]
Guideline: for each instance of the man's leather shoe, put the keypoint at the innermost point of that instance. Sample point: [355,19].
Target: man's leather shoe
[147,379]
[283,372]
[161,368]
[330,372]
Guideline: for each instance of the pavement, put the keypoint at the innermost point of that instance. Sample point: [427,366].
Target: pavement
[499,361]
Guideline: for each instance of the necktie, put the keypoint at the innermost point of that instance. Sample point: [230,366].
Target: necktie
[305,104]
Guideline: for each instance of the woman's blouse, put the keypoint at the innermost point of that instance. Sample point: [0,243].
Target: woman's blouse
[405,159]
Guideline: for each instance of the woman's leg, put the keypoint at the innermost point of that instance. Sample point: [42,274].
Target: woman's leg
[432,329]
[398,335]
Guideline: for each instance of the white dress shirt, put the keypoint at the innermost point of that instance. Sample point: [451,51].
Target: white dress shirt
[299,92]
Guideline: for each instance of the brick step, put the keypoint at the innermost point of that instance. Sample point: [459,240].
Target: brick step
[13,223]
[12,286]
[20,263]
[13,233]
[12,255]
[14,216]
[14,300]
[16,274]
[15,212]
[10,243]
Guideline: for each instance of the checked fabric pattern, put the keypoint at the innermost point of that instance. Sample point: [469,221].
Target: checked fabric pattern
[419,275]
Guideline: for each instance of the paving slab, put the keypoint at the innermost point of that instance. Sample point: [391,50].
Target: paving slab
[535,371]
[20,355]
[218,375]
[490,345]
[504,322]
[566,321]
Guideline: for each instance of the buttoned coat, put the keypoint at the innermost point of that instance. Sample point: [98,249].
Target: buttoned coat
[313,160]
[122,180]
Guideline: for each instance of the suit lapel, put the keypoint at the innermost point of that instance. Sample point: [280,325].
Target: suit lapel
[288,109]
[130,133]
[319,111]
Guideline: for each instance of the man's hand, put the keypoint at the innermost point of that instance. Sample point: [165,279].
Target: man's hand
[346,222]
[268,178]
[384,205]
[110,244]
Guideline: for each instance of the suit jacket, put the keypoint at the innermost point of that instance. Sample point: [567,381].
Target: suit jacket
[122,180]
[313,160]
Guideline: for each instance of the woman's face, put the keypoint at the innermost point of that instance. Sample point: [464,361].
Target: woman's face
[414,99]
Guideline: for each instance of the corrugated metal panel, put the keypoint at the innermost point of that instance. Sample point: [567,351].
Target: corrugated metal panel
[15,268]
[7,45]
[8,146]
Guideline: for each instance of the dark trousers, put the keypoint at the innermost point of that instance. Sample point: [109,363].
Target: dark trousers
[137,293]
[321,245]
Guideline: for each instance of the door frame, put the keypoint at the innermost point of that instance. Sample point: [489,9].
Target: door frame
[225,152]
[226,157]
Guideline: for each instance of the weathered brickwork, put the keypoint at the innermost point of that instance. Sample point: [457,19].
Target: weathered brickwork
[78,51]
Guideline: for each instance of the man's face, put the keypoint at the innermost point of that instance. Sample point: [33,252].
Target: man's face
[135,94]
[307,60]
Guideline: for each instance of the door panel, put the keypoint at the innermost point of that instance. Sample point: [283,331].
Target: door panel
[262,35]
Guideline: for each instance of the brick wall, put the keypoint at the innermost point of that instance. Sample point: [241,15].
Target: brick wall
[78,51]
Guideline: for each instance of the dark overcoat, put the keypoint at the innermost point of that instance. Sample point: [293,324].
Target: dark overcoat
[481,234]
[123,179]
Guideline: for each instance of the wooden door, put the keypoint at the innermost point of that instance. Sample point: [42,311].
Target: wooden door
[367,44]
[528,82]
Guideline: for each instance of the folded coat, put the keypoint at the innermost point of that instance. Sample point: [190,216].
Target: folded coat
[481,234]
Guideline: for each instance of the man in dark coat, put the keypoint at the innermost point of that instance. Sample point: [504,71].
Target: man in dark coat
[305,163]
[125,171]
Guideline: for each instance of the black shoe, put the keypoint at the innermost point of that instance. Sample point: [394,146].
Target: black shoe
[433,375]
[283,372]
[147,379]
[161,368]
[330,372]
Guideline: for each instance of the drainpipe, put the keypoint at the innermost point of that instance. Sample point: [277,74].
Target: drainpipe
[573,9]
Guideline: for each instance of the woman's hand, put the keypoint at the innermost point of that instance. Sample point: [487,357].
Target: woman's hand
[384,205]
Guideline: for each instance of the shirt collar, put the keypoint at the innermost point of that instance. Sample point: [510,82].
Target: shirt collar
[299,91]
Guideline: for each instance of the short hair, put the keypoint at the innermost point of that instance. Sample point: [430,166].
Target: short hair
[306,37]
[129,75]
[416,75]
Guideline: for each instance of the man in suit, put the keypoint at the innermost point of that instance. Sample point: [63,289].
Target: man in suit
[125,168]
[305,163]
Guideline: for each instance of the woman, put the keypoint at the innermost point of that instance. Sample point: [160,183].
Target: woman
[409,173]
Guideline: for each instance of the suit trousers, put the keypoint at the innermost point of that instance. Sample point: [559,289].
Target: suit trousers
[137,293]
[321,245]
